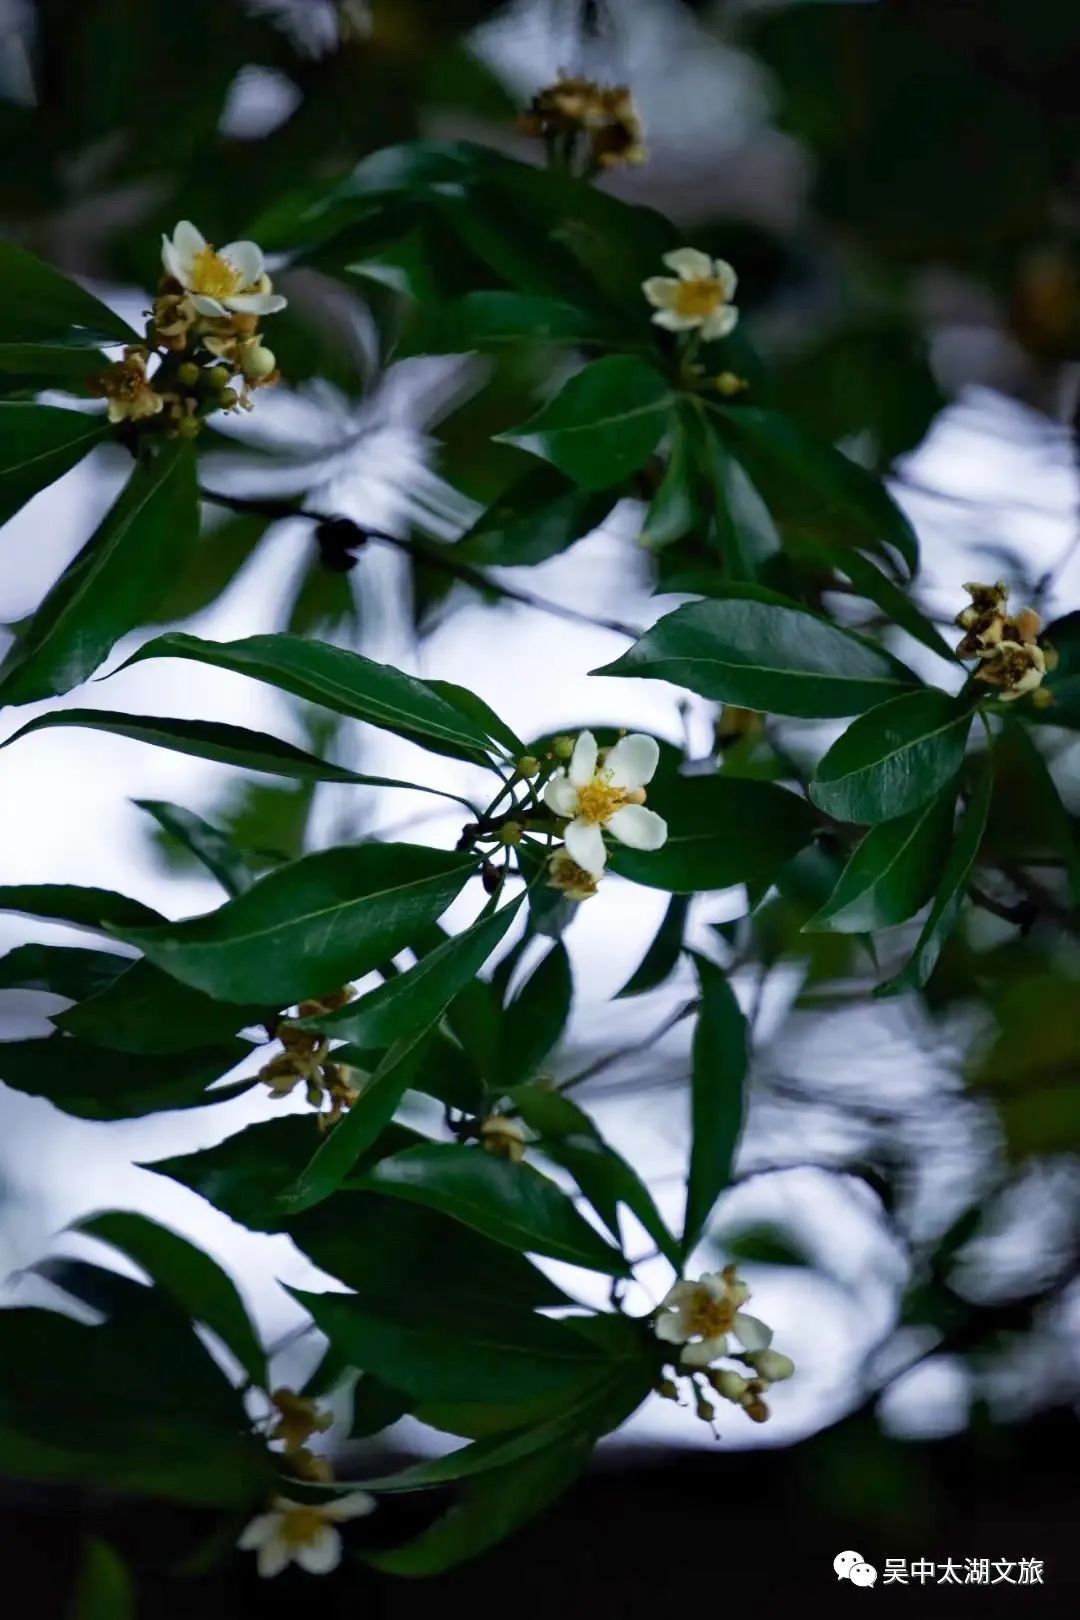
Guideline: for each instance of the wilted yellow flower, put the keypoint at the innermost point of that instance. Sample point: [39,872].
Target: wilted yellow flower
[127,388]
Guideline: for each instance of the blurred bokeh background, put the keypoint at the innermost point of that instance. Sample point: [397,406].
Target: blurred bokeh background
[897,183]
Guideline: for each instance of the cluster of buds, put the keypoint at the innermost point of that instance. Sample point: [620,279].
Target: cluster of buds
[204,332]
[1006,645]
[604,116]
[305,1059]
[294,1422]
[701,1317]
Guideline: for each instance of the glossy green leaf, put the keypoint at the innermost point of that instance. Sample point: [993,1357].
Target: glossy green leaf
[39,305]
[61,970]
[894,759]
[103,1587]
[812,488]
[744,531]
[892,873]
[98,909]
[488,320]
[339,680]
[147,1011]
[418,995]
[534,1020]
[94,1083]
[537,517]
[244,1175]
[717,1100]
[752,648]
[1023,776]
[721,830]
[603,424]
[479,713]
[111,584]
[678,507]
[662,956]
[950,893]
[38,444]
[511,1203]
[876,586]
[192,1278]
[310,926]
[235,869]
[209,739]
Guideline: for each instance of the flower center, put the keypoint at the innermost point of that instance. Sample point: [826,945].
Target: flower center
[699,297]
[598,800]
[213,275]
[709,1316]
[301,1526]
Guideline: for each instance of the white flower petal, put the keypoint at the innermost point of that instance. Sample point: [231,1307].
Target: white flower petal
[672,321]
[262,1527]
[273,1557]
[689,264]
[256,303]
[585,845]
[561,796]
[669,1328]
[354,1506]
[725,275]
[188,240]
[246,258]
[680,1293]
[633,761]
[208,306]
[171,261]
[583,760]
[637,827]
[720,323]
[704,1352]
[323,1554]
[752,1334]
[661,291]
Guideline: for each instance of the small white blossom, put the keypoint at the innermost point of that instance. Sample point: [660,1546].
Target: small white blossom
[698,295]
[701,1315]
[298,1532]
[232,281]
[595,796]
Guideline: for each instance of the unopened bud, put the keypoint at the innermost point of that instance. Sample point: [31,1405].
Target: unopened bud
[188,373]
[528,765]
[704,1409]
[491,878]
[563,747]
[667,1389]
[510,833]
[1042,698]
[771,1365]
[729,384]
[228,398]
[189,427]
[257,361]
[216,377]
[731,1385]
[756,1410]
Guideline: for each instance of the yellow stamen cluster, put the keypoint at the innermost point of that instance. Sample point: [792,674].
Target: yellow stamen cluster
[569,878]
[305,1059]
[1006,645]
[606,115]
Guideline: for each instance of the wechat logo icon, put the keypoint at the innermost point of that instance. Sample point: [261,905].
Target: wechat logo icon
[851,1566]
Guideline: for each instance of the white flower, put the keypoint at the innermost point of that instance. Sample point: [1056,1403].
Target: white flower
[593,796]
[308,1535]
[700,1315]
[232,281]
[698,295]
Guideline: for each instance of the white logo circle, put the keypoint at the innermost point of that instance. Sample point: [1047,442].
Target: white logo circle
[844,1563]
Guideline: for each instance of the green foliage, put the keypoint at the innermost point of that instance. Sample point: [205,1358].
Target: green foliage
[716,1098]
[39,444]
[893,759]
[603,424]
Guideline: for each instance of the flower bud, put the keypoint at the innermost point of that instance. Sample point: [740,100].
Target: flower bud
[188,373]
[503,1137]
[510,833]
[216,377]
[771,1365]
[257,361]
[563,747]
[189,427]
[757,1410]
[704,1409]
[528,765]
[228,398]
[731,1385]
[667,1389]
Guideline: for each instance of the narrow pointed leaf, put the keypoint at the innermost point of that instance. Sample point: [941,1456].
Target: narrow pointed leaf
[61,970]
[235,869]
[39,444]
[38,304]
[892,873]
[104,1588]
[147,1011]
[97,909]
[717,1102]
[662,956]
[539,516]
[93,1083]
[603,424]
[534,1021]
[894,759]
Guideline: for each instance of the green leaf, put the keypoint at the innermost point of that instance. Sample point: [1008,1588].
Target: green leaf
[811,488]
[534,1021]
[93,1083]
[39,305]
[869,581]
[754,649]
[311,925]
[677,508]
[603,424]
[209,739]
[950,895]
[339,680]
[539,516]
[146,1011]
[891,874]
[569,1137]
[418,995]
[112,583]
[745,533]
[721,830]
[243,1175]
[376,1405]
[1022,776]
[103,1588]
[235,869]
[511,1203]
[480,713]
[192,1278]
[492,320]
[489,1509]
[96,909]
[60,970]
[38,444]
[332,1162]
[662,956]
[893,759]
[437,1349]
[717,1104]
[379,1245]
